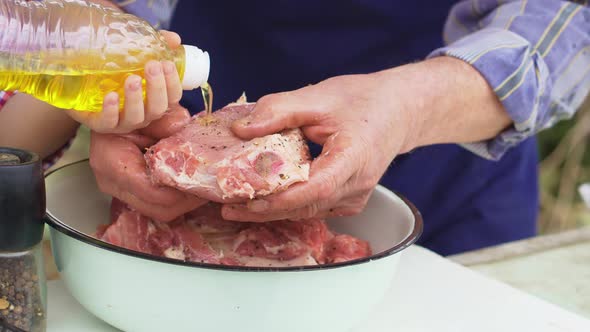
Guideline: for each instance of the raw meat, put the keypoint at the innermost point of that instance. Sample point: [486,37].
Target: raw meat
[342,247]
[209,161]
[203,236]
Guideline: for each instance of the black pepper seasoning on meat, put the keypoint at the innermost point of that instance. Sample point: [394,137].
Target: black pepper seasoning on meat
[22,279]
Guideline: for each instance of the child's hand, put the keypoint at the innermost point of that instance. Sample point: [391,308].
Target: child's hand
[163,88]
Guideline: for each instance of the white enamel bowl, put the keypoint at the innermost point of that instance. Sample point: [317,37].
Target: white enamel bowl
[138,292]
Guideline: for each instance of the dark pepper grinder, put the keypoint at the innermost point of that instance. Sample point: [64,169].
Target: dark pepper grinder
[23,292]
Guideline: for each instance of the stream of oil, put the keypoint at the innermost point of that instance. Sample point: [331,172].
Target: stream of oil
[207,93]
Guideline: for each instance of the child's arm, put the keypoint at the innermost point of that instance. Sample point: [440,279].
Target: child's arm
[30,124]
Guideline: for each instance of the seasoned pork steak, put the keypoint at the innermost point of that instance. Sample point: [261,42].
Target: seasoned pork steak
[209,161]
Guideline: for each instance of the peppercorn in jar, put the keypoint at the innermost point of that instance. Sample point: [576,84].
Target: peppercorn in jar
[22,207]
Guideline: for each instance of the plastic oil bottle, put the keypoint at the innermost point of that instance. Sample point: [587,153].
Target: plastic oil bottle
[71,53]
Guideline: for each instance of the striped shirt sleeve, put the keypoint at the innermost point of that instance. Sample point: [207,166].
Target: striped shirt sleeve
[534,54]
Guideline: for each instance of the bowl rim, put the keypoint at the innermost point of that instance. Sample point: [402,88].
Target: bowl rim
[67,230]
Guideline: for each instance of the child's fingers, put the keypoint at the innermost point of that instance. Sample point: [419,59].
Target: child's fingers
[105,121]
[163,89]
[172,38]
[157,101]
[133,112]
[173,85]
[108,119]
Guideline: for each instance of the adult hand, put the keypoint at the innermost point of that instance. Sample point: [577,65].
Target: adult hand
[120,169]
[363,122]
[360,130]
[163,88]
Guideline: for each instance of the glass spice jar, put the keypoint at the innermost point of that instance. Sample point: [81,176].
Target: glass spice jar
[23,293]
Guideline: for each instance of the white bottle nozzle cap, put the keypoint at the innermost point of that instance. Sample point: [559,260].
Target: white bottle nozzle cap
[196,67]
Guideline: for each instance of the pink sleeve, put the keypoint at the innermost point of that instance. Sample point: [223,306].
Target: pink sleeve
[4,96]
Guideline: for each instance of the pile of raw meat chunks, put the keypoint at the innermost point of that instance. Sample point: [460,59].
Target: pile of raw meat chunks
[209,161]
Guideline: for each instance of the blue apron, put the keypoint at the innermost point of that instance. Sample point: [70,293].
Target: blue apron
[262,47]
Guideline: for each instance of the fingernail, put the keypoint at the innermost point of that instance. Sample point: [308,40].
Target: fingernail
[112,99]
[135,83]
[258,205]
[155,69]
[168,67]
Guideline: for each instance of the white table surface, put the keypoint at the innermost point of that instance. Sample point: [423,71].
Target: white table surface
[429,293]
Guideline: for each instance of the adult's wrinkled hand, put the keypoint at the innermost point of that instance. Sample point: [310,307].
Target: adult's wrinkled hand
[120,169]
[363,122]
[360,130]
